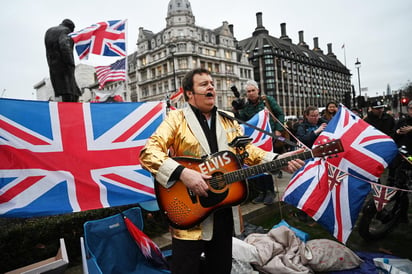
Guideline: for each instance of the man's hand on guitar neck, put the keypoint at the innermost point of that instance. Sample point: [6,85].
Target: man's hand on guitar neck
[293,165]
[195,181]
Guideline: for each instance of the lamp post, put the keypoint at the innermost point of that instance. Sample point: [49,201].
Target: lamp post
[172,49]
[358,65]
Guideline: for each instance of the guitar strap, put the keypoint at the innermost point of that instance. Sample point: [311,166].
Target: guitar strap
[280,138]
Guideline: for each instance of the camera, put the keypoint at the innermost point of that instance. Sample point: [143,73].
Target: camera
[235,91]
[238,103]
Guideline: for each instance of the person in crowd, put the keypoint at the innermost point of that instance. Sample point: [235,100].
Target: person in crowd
[330,111]
[378,118]
[403,130]
[311,127]
[59,53]
[403,138]
[307,132]
[255,103]
[200,130]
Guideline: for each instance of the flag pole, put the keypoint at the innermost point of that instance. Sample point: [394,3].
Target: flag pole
[126,62]
[344,52]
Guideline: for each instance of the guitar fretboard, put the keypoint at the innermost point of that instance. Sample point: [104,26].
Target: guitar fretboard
[271,166]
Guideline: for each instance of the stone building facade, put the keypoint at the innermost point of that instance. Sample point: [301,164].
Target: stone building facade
[163,58]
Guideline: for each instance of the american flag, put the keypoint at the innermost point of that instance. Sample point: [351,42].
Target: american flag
[114,72]
[260,139]
[69,157]
[103,38]
[332,191]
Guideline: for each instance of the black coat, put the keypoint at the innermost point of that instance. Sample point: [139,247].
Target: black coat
[385,123]
[404,139]
[59,52]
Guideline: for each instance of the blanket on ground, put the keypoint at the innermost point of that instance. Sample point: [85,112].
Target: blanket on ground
[280,251]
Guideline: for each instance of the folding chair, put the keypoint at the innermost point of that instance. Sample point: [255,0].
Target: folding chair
[108,246]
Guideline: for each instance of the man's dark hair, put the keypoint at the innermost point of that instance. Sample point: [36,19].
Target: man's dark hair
[187,82]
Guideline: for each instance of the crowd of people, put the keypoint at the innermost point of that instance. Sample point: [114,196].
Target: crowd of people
[201,130]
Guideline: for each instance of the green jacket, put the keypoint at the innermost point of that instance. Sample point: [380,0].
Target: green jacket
[250,109]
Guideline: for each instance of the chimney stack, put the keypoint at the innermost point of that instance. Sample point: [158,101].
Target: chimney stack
[283,35]
[231,29]
[316,45]
[259,19]
[302,40]
[259,28]
[330,52]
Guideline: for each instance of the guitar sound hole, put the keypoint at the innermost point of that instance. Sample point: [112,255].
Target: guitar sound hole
[218,181]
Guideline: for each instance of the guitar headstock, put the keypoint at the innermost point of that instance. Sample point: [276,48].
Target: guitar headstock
[329,148]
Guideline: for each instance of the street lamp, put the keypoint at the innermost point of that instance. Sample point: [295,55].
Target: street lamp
[172,49]
[358,65]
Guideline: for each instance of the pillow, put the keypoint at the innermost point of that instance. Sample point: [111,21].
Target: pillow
[328,255]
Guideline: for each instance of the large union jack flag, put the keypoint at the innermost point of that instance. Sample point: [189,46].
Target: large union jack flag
[67,157]
[103,38]
[332,191]
[260,139]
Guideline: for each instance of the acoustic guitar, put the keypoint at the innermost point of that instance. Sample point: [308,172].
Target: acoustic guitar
[227,187]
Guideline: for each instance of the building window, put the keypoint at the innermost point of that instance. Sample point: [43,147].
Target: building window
[268,61]
[229,68]
[228,54]
[166,85]
[218,85]
[145,92]
[144,75]
[270,74]
[182,63]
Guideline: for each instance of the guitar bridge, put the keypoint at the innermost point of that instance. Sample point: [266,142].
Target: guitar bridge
[192,196]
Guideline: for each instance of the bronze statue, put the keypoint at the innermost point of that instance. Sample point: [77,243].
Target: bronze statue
[59,51]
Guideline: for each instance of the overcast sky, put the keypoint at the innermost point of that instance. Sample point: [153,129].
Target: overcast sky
[378,32]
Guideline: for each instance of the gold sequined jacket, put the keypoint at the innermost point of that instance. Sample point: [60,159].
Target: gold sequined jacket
[180,134]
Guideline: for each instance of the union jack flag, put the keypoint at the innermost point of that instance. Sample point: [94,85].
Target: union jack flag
[260,139]
[382,195]
[177,95]
[332,191]
[114,72]
[69,157]
[104,38]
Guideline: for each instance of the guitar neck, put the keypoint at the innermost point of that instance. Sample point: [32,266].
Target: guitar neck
[274,165]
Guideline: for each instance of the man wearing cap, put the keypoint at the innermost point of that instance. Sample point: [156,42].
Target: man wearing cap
[378,118]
